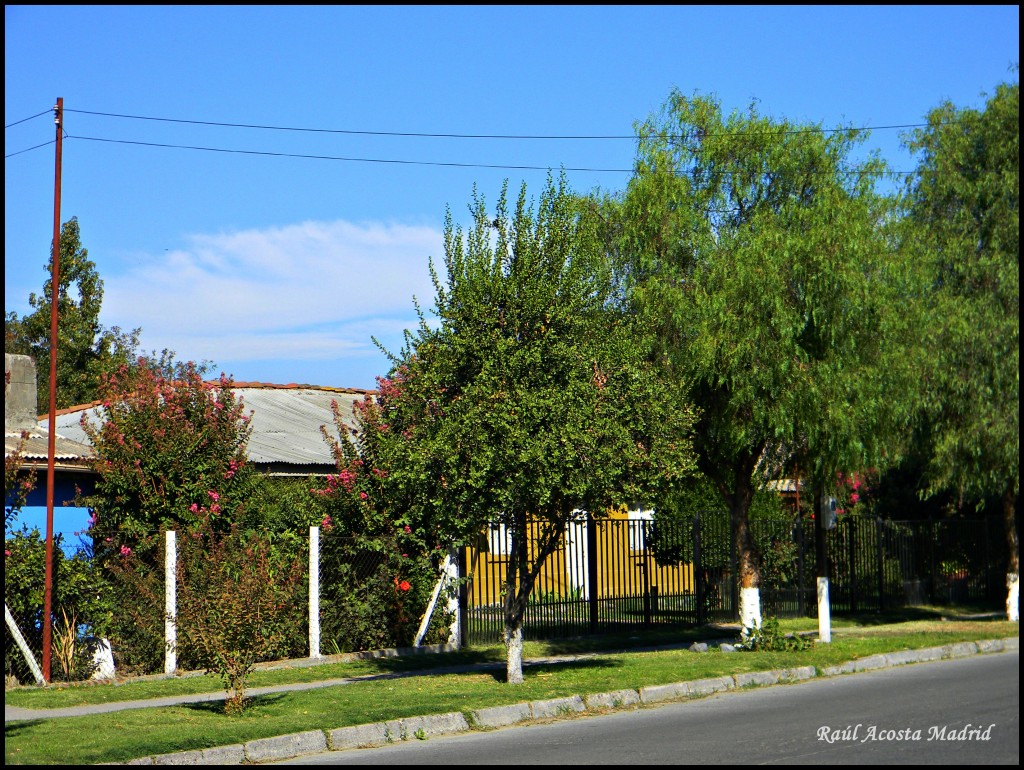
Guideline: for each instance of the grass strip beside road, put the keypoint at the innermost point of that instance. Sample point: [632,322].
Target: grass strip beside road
[123,735]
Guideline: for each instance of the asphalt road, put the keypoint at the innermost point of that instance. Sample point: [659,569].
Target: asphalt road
[917,714]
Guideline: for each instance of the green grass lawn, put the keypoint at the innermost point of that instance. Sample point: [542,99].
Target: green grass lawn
[621,663]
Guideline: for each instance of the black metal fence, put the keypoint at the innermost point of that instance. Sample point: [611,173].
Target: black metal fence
[612,574]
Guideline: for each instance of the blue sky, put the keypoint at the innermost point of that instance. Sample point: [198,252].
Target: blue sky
[280,269]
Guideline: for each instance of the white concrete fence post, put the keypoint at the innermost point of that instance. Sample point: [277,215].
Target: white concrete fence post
[314,592]
[824,612]
[171,604]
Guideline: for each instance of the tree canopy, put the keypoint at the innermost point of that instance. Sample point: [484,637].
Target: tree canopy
[529,397]
[761,248]
[85,348]
[963,211]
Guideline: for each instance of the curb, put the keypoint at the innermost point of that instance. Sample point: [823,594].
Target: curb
[452,723]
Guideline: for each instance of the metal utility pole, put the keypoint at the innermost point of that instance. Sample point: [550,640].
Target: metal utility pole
[58,119]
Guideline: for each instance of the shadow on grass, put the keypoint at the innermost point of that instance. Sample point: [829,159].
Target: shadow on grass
[531,671]
[908,614]
[217,706]
[12,729]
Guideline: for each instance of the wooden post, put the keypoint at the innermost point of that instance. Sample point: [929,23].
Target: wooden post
[51,451]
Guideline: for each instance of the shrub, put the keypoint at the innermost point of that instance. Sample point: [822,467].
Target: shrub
[768,637]
[235,605]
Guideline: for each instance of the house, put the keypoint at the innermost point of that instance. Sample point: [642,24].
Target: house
[286,420]
[28,435]
[285,440]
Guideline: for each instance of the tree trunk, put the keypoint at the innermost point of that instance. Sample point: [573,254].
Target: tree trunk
[514,602]
[519,580]
[1013,566]
[747,560]
[513,638]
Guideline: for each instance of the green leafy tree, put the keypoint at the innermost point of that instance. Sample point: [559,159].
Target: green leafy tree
[84,348]
[963,205]
[530,397]
[762,252]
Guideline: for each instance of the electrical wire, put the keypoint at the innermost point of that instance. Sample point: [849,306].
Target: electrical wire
[348,159]
[418,134]
[27,149]
[44,112]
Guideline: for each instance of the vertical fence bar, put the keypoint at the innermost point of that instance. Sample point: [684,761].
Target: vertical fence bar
[932,582]
[592,582]
[170,603]
[314,592]
[880,562]
[800,598]
[852,550]
[698,572]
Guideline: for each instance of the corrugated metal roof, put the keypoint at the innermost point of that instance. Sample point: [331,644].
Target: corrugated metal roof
[286,421]
[36,447]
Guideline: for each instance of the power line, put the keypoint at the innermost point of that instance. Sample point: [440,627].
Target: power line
[27,149]
[431,163]
[419,134]
[348,159]
[44,112]
[449,164]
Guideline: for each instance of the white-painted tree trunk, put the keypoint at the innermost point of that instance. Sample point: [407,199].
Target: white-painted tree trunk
[513,655]
[455,631]
[750,609]
[1013,597]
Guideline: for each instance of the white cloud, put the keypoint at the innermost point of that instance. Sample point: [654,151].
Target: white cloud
[314,290]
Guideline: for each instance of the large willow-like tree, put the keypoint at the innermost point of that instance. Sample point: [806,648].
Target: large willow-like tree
[964,211]
[759,247]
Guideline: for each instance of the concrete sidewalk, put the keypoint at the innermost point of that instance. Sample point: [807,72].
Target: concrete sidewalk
[376,734]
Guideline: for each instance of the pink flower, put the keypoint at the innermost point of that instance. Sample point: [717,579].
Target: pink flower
[407,528]
[326,523]
[213,495]
[854,497]
[404,586]
[7,553]
[363,495]
[125,550]
[194,508]
[214,509]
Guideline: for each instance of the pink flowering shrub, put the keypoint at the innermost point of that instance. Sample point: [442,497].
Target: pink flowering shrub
[853,491]
[171,454]
[379,562]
